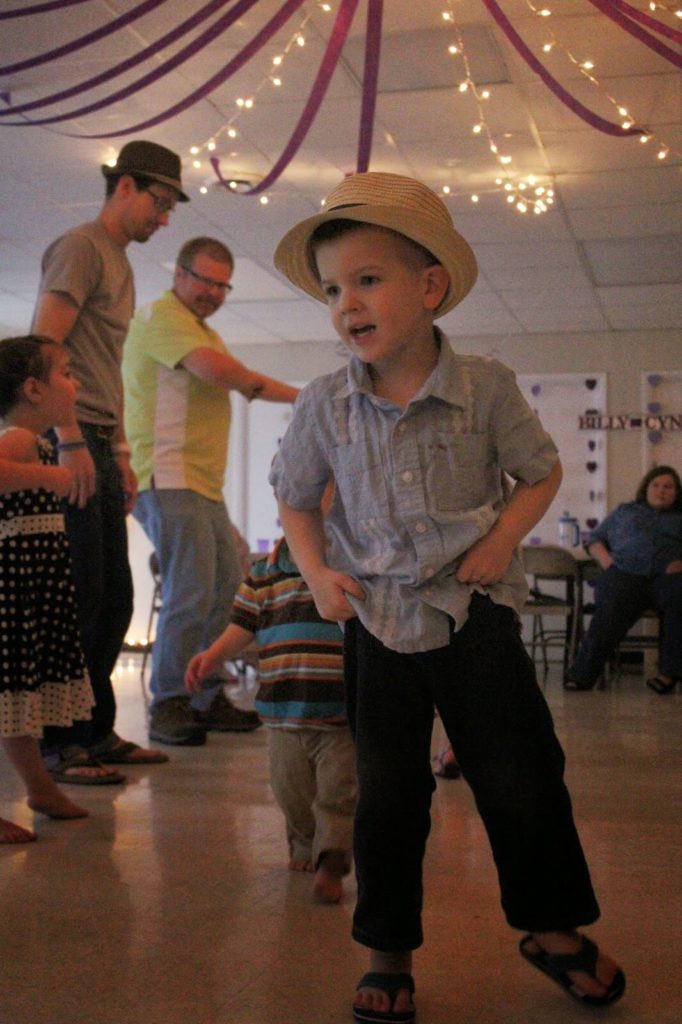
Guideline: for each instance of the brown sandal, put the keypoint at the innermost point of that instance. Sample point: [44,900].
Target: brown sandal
[67,765]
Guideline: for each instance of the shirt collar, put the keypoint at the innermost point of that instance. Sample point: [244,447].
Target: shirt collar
[446,382]
[280,557]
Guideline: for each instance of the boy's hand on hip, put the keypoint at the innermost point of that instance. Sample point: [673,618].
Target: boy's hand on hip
[329,590]
[486,562]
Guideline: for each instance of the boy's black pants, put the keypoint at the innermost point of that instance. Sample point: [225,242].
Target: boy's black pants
[484,687]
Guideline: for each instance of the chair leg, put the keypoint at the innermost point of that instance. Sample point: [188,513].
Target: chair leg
[539,640]
[156,598]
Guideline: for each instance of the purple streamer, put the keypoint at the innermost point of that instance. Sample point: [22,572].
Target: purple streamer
[51,5]
[208,36]
[370,80]
[86,40]
[335,44]
[342,24]
[613,11]
[259,40]
[646,19]
[595,120]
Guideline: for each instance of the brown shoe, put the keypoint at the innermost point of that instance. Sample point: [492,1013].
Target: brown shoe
[172,721]
[223,716]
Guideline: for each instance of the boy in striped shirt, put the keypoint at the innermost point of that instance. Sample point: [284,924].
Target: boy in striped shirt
[301,701]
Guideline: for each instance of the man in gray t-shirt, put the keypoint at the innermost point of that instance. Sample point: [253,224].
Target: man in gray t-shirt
[86,301]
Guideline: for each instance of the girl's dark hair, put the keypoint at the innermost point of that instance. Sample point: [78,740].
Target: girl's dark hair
[21,358]
[661,471]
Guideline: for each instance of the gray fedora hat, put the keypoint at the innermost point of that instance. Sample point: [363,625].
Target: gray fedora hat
[149,160]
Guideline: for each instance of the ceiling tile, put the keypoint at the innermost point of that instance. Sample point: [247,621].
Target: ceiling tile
[652,260]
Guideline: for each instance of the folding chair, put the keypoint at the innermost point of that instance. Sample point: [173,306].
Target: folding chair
[548,563]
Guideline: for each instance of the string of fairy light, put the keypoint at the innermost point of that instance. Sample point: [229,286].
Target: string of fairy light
[587,69]
[532,192]
[273,77]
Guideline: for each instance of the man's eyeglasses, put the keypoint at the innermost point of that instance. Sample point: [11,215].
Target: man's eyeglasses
[223,286]
[161,204]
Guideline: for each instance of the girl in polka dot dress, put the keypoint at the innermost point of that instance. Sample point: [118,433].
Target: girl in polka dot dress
[43,680]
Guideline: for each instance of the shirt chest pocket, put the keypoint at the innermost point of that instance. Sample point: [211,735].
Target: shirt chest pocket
[359,476]
[460,472]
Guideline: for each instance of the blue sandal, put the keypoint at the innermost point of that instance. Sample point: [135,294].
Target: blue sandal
[391,985]
[557,965]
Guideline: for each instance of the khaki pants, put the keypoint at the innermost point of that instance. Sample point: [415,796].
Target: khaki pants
[312,774]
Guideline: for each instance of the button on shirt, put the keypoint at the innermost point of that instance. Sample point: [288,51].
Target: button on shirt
[415,487]
[641,540]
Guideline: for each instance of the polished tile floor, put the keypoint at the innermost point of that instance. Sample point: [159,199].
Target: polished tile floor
[171,904]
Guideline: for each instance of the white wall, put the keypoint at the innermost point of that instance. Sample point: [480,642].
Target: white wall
[623,356]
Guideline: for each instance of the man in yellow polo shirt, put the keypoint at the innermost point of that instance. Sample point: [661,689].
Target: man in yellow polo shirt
[178,376]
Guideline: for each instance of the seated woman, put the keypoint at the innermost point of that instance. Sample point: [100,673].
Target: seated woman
[639,547]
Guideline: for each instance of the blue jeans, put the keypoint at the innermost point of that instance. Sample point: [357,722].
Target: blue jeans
[200,573]
[98,539]
[620,599]
[484,687]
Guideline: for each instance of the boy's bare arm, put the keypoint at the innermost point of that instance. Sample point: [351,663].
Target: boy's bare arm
[305,536]
[488,559]
[229,645]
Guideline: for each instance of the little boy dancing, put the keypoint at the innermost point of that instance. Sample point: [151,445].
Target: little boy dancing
[300,699]
[423,569]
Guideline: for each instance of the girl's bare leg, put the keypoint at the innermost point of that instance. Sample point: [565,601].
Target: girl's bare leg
[44,795]
[11,833]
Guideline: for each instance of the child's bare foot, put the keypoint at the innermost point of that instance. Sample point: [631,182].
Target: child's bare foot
[55,804]
[388,986]
[11,833]
[300,864]
[328,887]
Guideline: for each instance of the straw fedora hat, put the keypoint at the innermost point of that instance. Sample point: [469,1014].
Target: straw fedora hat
[149,160]
[388,201]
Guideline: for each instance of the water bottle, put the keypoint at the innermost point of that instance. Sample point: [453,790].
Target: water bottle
[569,531]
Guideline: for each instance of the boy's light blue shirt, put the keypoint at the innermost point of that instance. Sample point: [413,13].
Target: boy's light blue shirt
[415,488]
